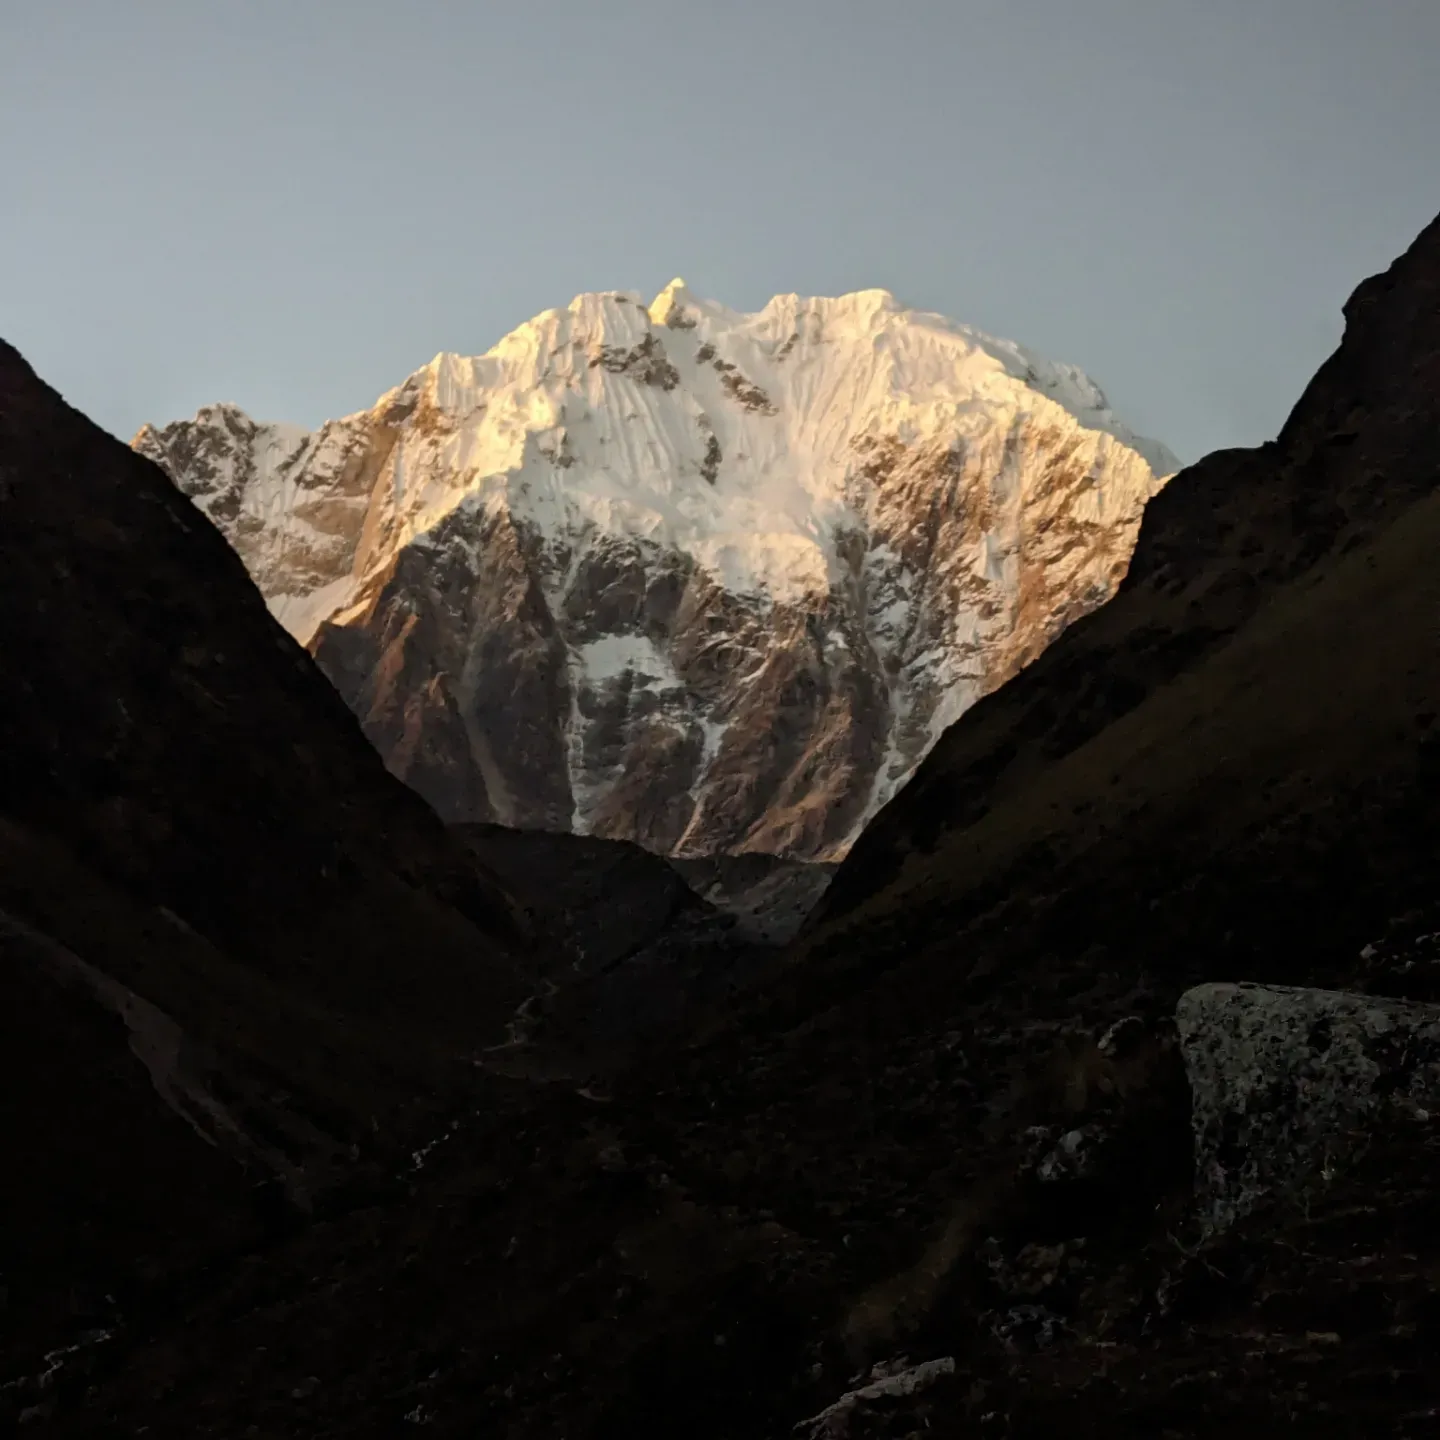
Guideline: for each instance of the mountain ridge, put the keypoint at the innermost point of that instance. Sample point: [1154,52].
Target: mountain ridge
[1235,546]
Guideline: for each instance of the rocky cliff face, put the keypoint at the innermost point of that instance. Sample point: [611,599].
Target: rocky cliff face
[706,581]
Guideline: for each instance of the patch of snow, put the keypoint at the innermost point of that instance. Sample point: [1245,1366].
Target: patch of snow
[713,736]
[612,656]
[303,614]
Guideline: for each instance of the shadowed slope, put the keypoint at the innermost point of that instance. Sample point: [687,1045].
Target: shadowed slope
[1253,703]
[234,948]
[158,721]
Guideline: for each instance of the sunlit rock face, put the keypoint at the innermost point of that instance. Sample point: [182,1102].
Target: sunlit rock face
[709,581]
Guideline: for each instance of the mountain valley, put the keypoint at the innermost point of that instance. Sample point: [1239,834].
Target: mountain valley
[340,1108]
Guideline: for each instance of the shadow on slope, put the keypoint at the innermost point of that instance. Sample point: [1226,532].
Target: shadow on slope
[236,951]
[1228,769]
[635,955]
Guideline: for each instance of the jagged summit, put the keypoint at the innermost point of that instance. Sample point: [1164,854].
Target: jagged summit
[706,579]
[670,301]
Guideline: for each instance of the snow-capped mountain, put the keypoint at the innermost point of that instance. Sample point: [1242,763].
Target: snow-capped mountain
[710,581]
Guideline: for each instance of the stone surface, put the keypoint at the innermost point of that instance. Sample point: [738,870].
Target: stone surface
[1287,1081]
[769,896]
[885,1382]
[631,949]
[597,901]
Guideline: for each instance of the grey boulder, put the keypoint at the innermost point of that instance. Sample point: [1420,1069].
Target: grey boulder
[1287,1082]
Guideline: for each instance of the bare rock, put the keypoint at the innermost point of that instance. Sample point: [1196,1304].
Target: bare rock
[884,1382]
[1285,1080]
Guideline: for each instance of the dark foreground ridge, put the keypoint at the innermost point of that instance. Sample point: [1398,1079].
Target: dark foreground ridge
[1253,711]
[940,1179]
[232,944]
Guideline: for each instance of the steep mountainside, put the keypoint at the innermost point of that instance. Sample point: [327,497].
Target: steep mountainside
[1248,717]
[234,948]
[706,581]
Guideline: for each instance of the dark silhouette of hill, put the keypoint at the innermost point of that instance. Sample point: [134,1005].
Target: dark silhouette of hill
[234,946]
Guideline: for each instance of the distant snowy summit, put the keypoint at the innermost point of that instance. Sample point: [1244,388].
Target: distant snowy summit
[709,581]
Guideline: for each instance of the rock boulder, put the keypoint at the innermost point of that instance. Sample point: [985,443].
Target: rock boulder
[1287,1080]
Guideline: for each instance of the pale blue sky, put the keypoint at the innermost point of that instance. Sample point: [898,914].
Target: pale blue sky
[292,204]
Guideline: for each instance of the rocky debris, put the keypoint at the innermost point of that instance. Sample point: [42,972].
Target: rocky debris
[632,951]
[624,576]
[887,1380]
[1285,1081]
[596,901]
[1076,1156]
[659,1277]
[1404,962]
[1072,1157]
[592,1021]
[1123,1310]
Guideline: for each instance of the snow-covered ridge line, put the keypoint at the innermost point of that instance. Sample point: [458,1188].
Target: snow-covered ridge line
[669,511]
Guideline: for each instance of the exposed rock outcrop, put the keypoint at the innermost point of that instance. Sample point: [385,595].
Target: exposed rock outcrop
[768,895]
[1288,1082]
[597,901]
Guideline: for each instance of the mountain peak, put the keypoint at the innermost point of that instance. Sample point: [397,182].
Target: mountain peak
[612,552]
[670,304]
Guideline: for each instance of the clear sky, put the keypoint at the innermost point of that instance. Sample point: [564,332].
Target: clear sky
[292,204]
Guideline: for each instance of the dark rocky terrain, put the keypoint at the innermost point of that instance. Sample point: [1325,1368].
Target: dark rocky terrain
[632,951]
[234,947]
[598,901]
[768,895]
[955,1131]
